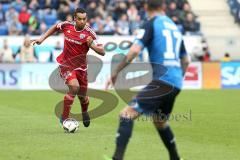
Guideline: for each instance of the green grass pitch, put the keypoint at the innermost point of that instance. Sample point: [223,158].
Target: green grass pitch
[29,129]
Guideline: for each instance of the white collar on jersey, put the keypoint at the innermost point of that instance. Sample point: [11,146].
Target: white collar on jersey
[80,30]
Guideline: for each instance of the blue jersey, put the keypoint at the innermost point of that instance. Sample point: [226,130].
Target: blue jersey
[165,45]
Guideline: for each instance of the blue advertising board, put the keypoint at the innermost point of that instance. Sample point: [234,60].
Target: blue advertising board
[230,75]
[10,76]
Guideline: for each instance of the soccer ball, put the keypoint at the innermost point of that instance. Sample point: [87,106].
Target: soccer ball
[70,125]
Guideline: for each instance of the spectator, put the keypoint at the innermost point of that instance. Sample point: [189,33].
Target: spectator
[135,25]
[206,57]
[72,5]
[123,25]
[206,52]
[92,10]
[14,26]
[190,24]
[109,26]
[63,11]
[142,11]
[132,12]
[10,14]
[56,52]
[100,30]
[186,7]
[50,16]
[50,11]
[55,4]
[42,4]
[27,51]
[33,6]
[6,54]
[23,18]
[33,25]
[18,4]
[121,8]
[101,10]
[42,28]
[69,18]
[226,57]
[180,3]
[2,15]
[97,22]
[173,12]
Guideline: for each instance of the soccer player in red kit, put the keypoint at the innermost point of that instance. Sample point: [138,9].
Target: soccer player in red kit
[78,38]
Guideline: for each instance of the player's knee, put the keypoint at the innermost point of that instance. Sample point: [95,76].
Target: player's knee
[160,124]
[74,90]
[128,113]
[83,99]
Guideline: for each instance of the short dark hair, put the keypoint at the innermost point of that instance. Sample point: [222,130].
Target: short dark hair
[79,10]
[155,4]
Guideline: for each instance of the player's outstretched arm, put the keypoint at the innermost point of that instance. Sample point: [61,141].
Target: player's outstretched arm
[49,32]
[185,61]
[99,49]
[133,53]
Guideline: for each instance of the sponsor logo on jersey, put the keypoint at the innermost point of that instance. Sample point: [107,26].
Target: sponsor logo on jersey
[73,41]
[82,36]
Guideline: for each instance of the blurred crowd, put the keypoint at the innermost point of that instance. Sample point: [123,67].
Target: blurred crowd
[107,17]
[235,9]
[26,53]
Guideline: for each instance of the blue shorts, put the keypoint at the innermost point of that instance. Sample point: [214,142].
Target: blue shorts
[157,98]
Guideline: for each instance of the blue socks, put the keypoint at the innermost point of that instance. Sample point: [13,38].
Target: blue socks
[123,135]
[167,137]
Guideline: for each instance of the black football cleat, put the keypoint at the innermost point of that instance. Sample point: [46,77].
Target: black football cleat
[86,119]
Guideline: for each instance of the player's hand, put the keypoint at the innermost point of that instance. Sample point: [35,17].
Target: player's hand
[35,41]
[111,81]
[89,40]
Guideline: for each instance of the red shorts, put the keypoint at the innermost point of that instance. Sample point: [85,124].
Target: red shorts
[79,74]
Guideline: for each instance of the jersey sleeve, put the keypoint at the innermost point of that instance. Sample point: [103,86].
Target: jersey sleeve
[94,36]
[183,51]
[145,35]
[62,25]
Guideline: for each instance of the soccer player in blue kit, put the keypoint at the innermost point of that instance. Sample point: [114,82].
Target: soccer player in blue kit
[166,49]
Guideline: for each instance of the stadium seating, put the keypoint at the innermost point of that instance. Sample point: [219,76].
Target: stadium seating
[50,20]
[3,30]
[51,17]
[43,14]
[5,7]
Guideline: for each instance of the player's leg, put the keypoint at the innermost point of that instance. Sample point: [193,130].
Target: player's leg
[168,139]
[82,96]
[84,100]
[124,131]
[160,121]
[69,97]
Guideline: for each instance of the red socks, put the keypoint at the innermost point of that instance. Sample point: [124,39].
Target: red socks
[68,101]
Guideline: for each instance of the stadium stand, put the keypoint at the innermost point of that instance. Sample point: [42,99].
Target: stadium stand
[106,17]
[219,28]
[52,11]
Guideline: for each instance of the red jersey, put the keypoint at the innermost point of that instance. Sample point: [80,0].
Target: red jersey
[75,45]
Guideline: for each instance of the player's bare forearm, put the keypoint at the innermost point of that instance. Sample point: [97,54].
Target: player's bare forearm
[133,53]
[49,32]
[184,64]
[99,49]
